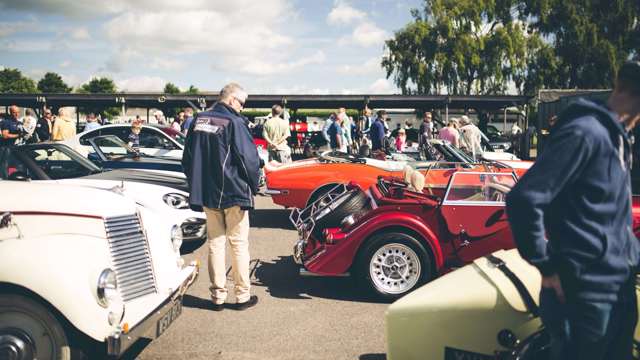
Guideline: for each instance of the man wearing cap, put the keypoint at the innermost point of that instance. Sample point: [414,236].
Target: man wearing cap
[571,218]
[222,167]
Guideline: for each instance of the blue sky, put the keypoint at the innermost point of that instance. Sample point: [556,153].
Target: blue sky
[269,46]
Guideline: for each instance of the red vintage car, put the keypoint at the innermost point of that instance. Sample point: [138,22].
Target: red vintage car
[300,183]
[393,238]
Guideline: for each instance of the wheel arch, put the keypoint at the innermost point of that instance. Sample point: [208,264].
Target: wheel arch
[428,244]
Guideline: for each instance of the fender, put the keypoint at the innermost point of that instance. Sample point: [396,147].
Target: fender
[338,258]
[63,270]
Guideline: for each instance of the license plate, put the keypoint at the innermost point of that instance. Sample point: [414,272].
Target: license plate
[165,321]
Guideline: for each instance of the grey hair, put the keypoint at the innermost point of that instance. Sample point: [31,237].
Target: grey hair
[232,90]
[276,110]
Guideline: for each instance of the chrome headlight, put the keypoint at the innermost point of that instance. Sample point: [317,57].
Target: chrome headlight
[107,289]
[176,200]
[176,238]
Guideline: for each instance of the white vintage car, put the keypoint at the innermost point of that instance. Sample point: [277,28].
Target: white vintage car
[84,270]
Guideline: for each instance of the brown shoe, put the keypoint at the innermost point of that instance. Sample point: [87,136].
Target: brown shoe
[253,300]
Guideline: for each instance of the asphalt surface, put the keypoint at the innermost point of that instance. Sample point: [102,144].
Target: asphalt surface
[296,317]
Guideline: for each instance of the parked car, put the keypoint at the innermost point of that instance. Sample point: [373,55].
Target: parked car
[154,140]
[57,163]
[84,270]
[53,161]
[393,238]
[109,152]
[495,314]
[300,183]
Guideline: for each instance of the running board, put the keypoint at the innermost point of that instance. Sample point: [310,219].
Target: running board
[307,273]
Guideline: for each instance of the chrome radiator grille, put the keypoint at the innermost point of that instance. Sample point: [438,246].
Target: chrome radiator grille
[131,257]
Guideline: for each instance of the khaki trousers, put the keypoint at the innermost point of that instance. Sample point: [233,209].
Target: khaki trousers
[231,224]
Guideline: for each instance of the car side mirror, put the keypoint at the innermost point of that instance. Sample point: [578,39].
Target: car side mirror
[94,157]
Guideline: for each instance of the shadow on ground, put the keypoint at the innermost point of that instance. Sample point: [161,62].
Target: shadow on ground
[271,219]
[282,280]
[191,246]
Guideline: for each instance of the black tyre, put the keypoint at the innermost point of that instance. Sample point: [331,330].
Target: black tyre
[28,329]
[320,192]
[393,264]
[353,202]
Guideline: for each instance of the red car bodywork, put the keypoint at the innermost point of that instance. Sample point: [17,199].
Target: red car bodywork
[453,234]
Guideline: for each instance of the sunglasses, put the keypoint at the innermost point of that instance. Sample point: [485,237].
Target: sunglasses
[239,101]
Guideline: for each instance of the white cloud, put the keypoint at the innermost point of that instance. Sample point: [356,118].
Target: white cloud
[167,64]
[25,45]
[365,35]
[382,86]
[371,66]
[73,80]
[80,33]
[36,74]
[141,84]
[258,66]
[65,64]
[343,13]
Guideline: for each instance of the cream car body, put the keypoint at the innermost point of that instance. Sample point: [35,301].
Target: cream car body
[172,204]
[61,238]
[459,315]
[474,312]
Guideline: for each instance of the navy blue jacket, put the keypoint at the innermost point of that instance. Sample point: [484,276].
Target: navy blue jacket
[220,160]
[578,194]
[377,135]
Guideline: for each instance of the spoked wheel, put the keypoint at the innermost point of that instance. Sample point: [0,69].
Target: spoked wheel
[395,268]
[29,331]
[393,264]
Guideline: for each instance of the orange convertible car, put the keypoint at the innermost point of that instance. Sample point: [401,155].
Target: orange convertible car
[301,182]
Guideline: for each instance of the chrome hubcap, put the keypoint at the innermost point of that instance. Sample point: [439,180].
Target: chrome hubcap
[16,345]
[395,268]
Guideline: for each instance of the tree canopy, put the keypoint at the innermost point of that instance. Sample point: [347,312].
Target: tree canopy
[489,46]
[98,85]
[12,81]
[171,88]
[53,83]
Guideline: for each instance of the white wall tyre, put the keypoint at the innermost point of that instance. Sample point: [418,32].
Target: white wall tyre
[393,264]
[29,331]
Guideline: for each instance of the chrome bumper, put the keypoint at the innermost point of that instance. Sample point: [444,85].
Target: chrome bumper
[119,341]
[298,249]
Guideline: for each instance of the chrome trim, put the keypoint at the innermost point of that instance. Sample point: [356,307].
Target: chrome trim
[298,251]
[268,191]
[131,257]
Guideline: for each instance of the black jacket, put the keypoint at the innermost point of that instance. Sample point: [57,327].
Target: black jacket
[578,194]
[43,130]
[220,160]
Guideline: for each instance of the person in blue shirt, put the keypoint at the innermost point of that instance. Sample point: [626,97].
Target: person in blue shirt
[11,128]
[377,131]
[188,113]
[335,134]
[571,218]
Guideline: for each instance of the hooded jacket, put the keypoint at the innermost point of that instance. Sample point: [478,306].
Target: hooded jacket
[220,160]
[578,194]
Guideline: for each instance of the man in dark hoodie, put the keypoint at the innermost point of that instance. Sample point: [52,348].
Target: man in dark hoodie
[571,218]
[222,167]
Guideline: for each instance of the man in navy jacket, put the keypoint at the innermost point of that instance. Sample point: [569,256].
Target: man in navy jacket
[222,167]
[571,218]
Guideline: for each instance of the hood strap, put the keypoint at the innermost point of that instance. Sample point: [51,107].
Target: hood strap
[522,289]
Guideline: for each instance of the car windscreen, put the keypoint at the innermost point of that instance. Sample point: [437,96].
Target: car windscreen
[59,162]
[112,147]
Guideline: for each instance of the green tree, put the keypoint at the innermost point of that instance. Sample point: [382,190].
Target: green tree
[101,85]
[53,83]
[463,47]
[591,38]
[13,82]
[192,90]
[171,88]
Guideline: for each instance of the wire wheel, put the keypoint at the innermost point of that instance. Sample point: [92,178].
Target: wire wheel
[395,268]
